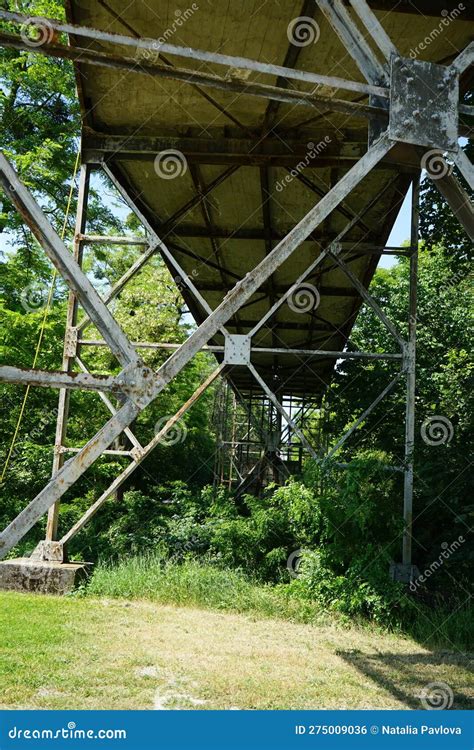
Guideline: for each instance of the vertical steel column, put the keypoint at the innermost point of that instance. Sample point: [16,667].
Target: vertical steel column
[69,345]
[410,361]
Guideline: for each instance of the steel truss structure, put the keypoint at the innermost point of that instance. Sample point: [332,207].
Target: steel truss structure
[399,111]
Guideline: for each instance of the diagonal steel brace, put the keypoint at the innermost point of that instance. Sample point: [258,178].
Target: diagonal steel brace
[69,269]
[240,294]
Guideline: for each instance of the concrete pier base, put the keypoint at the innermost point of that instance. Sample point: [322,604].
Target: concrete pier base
[44,577]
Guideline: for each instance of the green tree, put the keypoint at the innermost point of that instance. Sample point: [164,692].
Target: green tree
[442,504]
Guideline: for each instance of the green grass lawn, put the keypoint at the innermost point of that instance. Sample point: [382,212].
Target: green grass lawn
[91,653]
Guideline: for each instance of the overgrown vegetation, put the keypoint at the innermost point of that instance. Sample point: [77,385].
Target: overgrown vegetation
[295,553]
[325,540]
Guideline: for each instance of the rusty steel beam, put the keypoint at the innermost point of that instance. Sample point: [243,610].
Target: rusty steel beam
[139,456]
[374,27]
[70,346]
[260,90]
[155,46]
[354,42]
[457,199]
[57,379]
[222,150]
[67,266]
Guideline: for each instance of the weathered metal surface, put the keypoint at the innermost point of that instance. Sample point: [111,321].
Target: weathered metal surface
[333,354]
[464,59]
[465,167]
[110,407]
[372,69]
[232,61]
[374,27]
[260,90]
[237,349]
[51,379]
[457,199]
[192,125]
[69,269]
[71,346]
[243,151]
[424,104]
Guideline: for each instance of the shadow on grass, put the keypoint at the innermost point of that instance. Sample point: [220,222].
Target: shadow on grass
[423,680]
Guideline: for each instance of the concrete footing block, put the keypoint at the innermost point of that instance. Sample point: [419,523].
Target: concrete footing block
[43,577]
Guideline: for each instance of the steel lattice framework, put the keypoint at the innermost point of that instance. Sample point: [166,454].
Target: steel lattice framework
[405,122]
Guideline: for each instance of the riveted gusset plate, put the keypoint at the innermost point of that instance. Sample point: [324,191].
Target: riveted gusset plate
[423,104]
[237,350]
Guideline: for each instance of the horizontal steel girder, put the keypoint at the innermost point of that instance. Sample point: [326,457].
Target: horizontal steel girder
[220,150]
[260,90]
[51,379]
[154,46]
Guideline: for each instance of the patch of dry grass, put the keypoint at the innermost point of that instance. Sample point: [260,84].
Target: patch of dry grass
[110,654]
